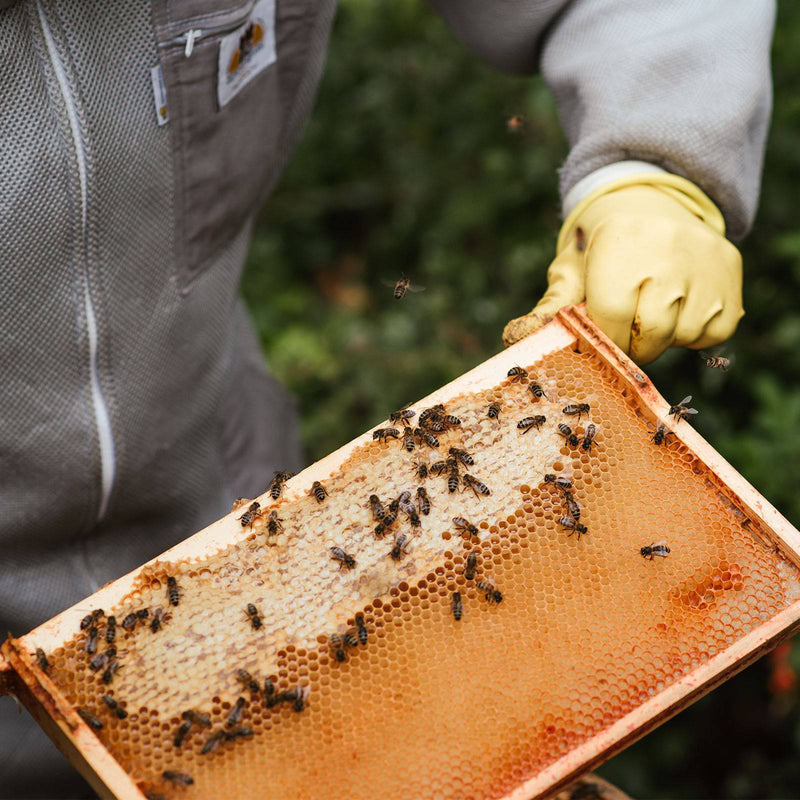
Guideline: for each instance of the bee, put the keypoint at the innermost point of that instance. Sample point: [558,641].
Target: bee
[235,715]
[434,423]
[212,742]
[111,670]
[344,559]
[253,513]
[114,706]
[90,719]
[464,526]
[41,660]
[318,490]
[494,411]
[246,679]
[173,591]
[269,692]
[471,565]
[159,618]
[274,523]
[377,508]
[361,627]
[394,506]
[491,594]
[408,440]
[297,697]
[142,613]
[453,480]
[680,411]
[572,506]
[404,501]
[401,543]
[413,518]
[457,605]
[580,239]
[382,434]
[339,642]
[91,641]
[403,286]
[462,455]
[420,470]
[111,629]
[241,732]
[576,408]
[182,733]
[428,438]
[566,432]
[423,501]
[716,362]
[536,390]
[660,436]
[199,717]
[518,375]
[276,485]
[573,526]
[561,483]
[451,421]
[251,612]
[531,422]
[656,549]
[476,486]
[402,416]
[101,659]
[130,621]
[516,123]
[92,618]
[178,778]
[438,468]
[588,437]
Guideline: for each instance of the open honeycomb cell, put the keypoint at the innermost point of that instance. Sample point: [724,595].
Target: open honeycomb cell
[587,630]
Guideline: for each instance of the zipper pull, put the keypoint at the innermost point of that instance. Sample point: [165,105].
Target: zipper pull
[191,36]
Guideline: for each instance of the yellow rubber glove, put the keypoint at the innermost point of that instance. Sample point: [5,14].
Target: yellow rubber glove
[649,255]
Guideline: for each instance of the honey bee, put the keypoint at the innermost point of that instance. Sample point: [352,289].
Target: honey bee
[518,375]
[451,421]
[580,239]
[199,717]
[241,732]
[656,549]
[247,680]
[212,742]
[561,483]
[462,455]
[101,659]
[516,123]
[434,423]
[111,670]
[716,362]
[183,731]
[680,411]
[90,719]
[252,614]
[494,411]
[130,621]
[92,618]
[423,501]
[276,485]
[566,432]
[438,468]
[465,526]
[377,508]
[111,630]
[298,701]
[576,409]
[428,438]
[159,618]
[361,626]
[91,640]
[453,480]
[235,715]
[536,390]
[253,513]
[572,506]
[420,470]
[269,692]
[344,559]
[403,286]
[476,486]
[531,422]
[394,506]
[491,594]
[339,643]
[660,436]
[173,591]
[274,523]
[114,706]
[41,660]
[318,490]
[178,778]
[383,434]
[457,605]
[408,440]
[402,416]
[401,543]
[404,500]
[588,437]
[573,526]
[471,565]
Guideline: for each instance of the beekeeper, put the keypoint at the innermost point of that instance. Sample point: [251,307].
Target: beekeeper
[137,140]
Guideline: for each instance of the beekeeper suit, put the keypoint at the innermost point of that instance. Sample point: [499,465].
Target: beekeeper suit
[137,140]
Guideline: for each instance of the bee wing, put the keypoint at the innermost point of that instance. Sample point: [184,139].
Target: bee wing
[387,282]
[687,399]
[691,411]
[413,287]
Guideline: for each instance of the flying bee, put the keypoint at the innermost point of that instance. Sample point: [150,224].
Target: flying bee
[402,416]
[401,543]
[178,778]
[408,440]
[518,375]
[471,565]
[572,506]
[423,501]
[557,480]
[536,390]
[247,680]
[90,719]
[274,523]
[457,605]
[91,641]
[420,470]
[716,362]
[516,123]
[576,409]
[111,629]
[428,438]
[91,619]
[41,660]
[235,715]
[462,455]
[566,432]
[660,436]
[111,670]
[158,620]
[377,508]
[491,594]
[252,613]
[253,513]
[680,411]
[438,468]
[580,239]
[494,411]
[656,549]
[344,559]
[572,525]
[588,437]
[173,591]
[212,742]
[361,627]
[531,422]
[464,526]
[318,490]
[383,434]
[403,286]
[476,486]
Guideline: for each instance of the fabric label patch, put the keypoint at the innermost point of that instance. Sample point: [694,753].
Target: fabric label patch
[159,95]
[250,49]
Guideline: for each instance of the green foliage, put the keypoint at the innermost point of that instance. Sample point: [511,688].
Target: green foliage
[407,166]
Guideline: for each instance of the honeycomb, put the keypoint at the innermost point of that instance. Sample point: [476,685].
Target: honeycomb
[431,706]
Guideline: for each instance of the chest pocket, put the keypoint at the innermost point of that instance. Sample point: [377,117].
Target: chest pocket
[226,144]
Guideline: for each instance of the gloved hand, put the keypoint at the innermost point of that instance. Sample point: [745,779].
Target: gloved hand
[649,255]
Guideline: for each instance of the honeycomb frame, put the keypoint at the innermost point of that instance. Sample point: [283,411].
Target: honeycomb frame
[571,331]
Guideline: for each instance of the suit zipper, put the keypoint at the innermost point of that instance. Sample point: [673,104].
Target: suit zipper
[102,418]
[193,35]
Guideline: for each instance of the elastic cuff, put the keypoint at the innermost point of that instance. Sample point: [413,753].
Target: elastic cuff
[691,197]
[594,180]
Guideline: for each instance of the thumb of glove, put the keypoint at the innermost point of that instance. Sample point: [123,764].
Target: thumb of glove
[565,279]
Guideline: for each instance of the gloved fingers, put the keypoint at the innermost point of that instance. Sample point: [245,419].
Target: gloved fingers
[720,327]
[653,327]
[565,287]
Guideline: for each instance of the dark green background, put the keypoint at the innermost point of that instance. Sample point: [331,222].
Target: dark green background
[407,165]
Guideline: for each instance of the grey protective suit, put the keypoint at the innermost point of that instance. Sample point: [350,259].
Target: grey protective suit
[135,404]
